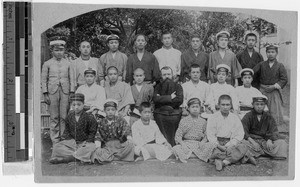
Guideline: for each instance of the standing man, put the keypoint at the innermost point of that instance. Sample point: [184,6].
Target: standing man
[249,57]
[57,84]
[168,96]
[224,56]
[144,60]
[84,62]
[194,55]
[168,56]
[113,58]
[272,76]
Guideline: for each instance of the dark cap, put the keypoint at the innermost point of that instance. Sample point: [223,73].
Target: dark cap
[111,103]
[77,97]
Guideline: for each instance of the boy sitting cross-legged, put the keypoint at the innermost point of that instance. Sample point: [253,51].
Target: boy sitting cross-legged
[78,138]
[149,141]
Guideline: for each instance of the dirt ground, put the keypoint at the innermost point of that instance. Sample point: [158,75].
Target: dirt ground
[168,168]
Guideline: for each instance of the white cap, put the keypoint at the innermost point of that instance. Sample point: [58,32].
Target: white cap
[222,32]
[223,66]
[57,42]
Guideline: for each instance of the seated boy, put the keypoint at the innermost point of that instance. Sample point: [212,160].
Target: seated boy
[221,88]
[78,138]
[246,92]
[149,141]
[93,93]
[114,141]
[225,130]
[261,133]
[119,91]
[141,92]
[195,88]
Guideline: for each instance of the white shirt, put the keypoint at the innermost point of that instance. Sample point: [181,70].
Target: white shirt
[169,57]
[139,87]
[142,134]
[224,127]
[94,96]
[217,89]
[191,90]
[245,95]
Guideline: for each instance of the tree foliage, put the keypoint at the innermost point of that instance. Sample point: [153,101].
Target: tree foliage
[127,22]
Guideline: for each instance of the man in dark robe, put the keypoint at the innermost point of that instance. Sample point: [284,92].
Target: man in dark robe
[168,96]
[249,58]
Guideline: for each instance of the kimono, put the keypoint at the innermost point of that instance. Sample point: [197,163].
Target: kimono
[269,76]
[119,61]
[78,138]
[191,90]
[144,95]
[260,132]
[167,113]
[148,63]
[192,132]
[217,89]
[244,96]
[114,143]
[249,62]
[94,96]
[58,81]
[169,57]
[227,131]
[120,92]
[188,58]
[230,60]
[149,141]
[81,65]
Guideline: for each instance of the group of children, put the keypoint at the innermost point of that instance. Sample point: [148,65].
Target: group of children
[162,107]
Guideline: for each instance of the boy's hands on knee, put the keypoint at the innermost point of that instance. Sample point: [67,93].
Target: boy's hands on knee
[270,145]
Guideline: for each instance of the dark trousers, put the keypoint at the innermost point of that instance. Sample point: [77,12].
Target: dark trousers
[168,125]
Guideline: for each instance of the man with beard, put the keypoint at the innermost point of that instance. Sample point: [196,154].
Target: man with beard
[144,60]
[194,55]
[84,62]
[168,96]
[249,57]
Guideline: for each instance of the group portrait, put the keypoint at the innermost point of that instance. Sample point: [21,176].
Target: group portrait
[163,92]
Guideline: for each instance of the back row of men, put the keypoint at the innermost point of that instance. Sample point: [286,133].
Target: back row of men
[163,70]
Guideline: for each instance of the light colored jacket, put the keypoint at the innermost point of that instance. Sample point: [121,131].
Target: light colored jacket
[55,73]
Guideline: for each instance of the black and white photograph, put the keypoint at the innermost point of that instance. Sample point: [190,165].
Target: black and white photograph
[163,93]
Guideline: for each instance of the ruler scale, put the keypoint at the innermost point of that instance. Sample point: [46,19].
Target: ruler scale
[16,48]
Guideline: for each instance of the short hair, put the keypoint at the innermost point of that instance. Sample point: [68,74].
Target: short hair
[250,34]
[144,105]
[225,97]
[166,32]
[84,41]
[167,68]
[112,67]
[136,36]
[139,69]
[195,36]
[195,66]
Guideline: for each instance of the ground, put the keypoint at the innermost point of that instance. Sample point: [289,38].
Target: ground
[168,168]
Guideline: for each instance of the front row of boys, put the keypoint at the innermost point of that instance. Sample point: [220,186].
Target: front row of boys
[223,140]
